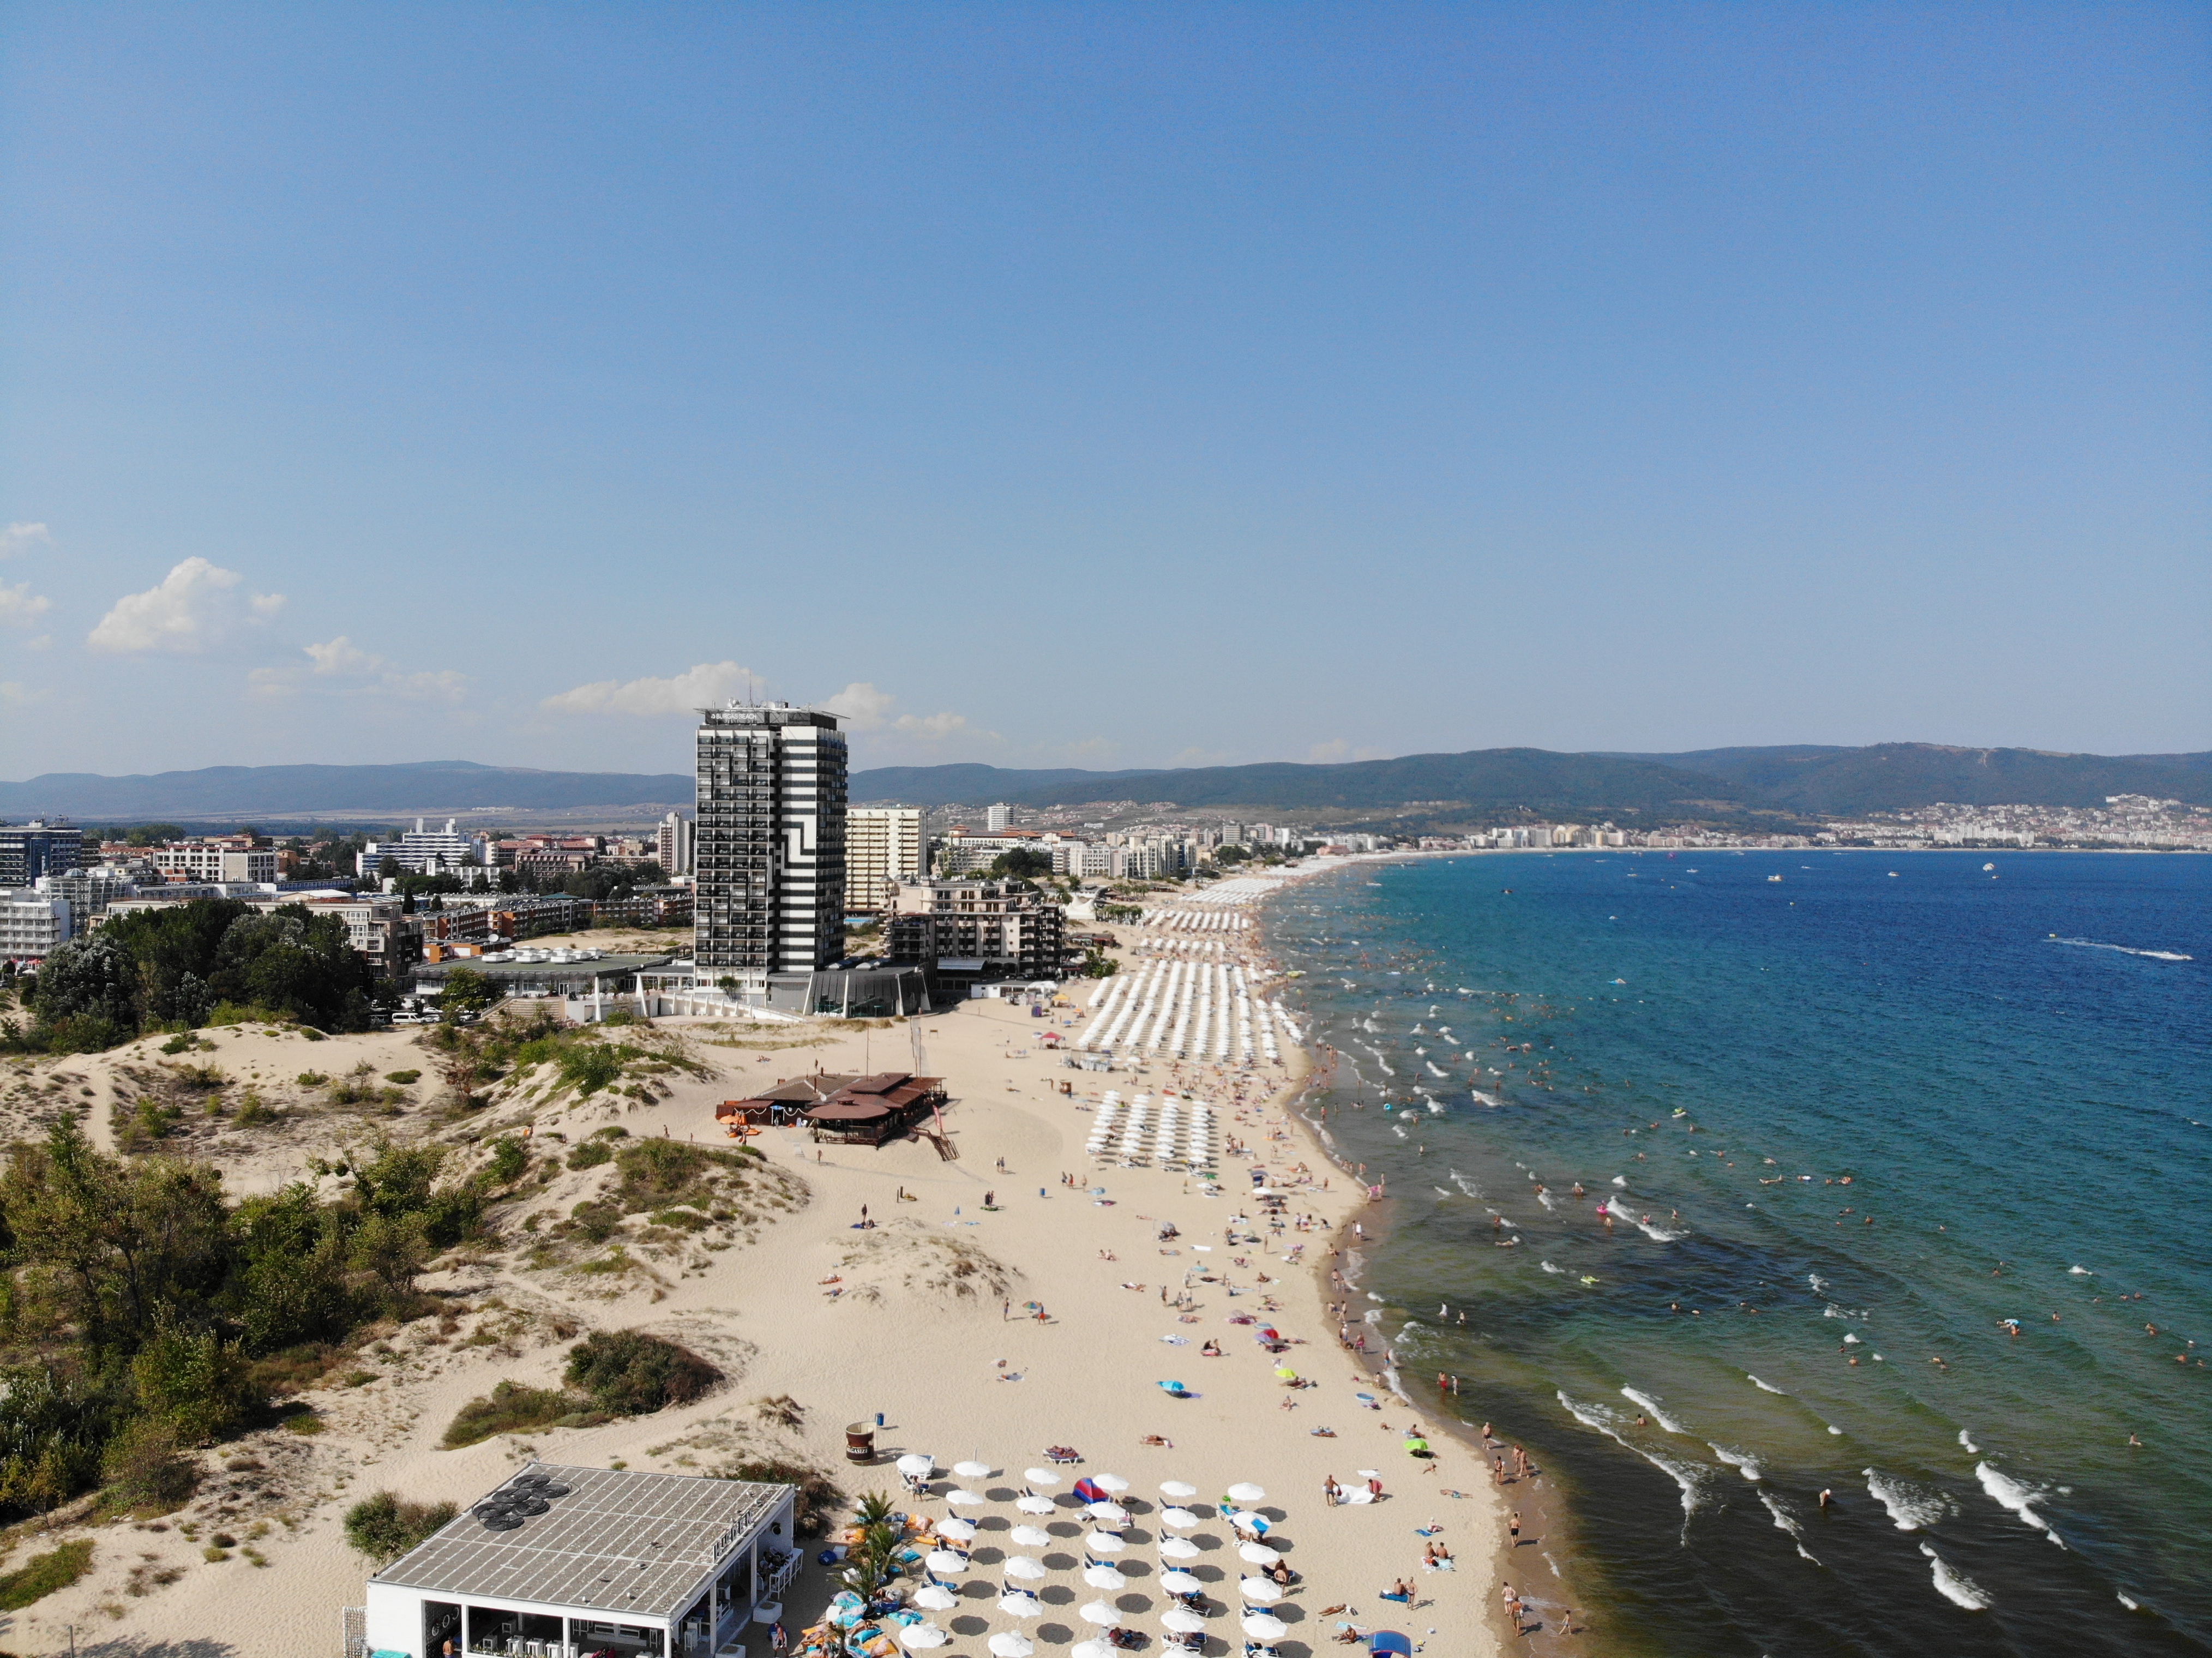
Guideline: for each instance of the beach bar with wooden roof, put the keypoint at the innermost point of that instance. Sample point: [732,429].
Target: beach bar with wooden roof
[843,1109]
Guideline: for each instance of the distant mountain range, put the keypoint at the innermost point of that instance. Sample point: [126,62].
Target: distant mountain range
[1711,785]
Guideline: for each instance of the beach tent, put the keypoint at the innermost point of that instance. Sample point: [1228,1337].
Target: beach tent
[1088,1490]
[1388,1640]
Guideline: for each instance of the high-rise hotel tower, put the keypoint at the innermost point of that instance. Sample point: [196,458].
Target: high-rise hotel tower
[769,845]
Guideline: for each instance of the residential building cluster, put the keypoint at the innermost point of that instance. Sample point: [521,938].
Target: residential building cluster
[2124,820]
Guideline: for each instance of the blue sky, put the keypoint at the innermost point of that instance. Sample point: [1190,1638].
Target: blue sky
[1105,384]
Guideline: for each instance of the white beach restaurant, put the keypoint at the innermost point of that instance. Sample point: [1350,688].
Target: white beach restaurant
[589,1562]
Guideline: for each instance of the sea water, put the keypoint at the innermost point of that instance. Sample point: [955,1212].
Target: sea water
[1870,1111]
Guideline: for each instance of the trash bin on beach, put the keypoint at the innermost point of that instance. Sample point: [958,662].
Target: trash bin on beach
[860,1441]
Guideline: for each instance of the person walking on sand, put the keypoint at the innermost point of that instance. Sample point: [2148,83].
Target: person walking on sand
[1513,1526]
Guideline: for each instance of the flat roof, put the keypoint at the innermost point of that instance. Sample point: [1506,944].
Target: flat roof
[620,1542]
[600,967]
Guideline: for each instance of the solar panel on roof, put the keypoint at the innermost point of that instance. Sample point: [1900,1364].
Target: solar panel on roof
[622,1540]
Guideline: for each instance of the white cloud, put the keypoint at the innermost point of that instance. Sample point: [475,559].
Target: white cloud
[930,727]
[432,685]
[342,656]
[863,707]
[22,537]
[374,676]
[14,695]
[708,683]
[20,607]
[1334,751]
[193,608]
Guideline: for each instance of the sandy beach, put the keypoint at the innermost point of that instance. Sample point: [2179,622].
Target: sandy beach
[983,1331]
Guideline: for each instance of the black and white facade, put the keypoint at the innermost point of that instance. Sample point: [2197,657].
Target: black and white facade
[768,846]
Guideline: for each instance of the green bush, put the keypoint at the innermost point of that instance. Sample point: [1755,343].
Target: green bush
[44,1573]
[402,1078]
[198,1386]
[383,1527]
[587,1067]
[591,1154]
[509,1157]
[143,1469]
[510,1408]
[630,1373]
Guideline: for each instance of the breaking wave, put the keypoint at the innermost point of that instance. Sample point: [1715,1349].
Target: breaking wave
[1952,1586]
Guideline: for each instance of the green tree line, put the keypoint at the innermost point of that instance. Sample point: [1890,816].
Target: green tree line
[142,1313]
[175,967]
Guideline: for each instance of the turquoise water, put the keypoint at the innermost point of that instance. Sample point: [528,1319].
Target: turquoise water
[2009,1064]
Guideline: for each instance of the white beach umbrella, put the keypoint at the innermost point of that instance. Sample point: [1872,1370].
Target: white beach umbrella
[1112,1513]
[1104,1577]
[1098,1613]
[944,1560]
[1245,1492]
[914,1465]
[1258,1554]
[1091,1649]
[1105,1542]
[1018,1603]
[1110,1482]
[919,1638]
[972,1470]
[1010,1645]
[1021,1566]
[1181,1582]
[1030,1537]
[1034,1504]
[1178,1519]
[1244,1517]
[1177,1489]
[1183,1623]
[1264,1626]
[1043,1478]
[1258,1590]
[961,1531]
[964,1499]
[935,1598]
[1179,1548]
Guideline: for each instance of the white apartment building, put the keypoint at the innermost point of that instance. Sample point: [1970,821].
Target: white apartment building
[996,819]
[673,843]
[883,846]
[425,852]
[198,860]
[32,924]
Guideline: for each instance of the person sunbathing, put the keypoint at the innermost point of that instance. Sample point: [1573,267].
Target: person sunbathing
[1212,1350]
[1157,1439]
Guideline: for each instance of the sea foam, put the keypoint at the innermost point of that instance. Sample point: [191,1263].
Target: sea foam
[1651,1404]
[1911,1506]
[1952,1586]
[2010,1493]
